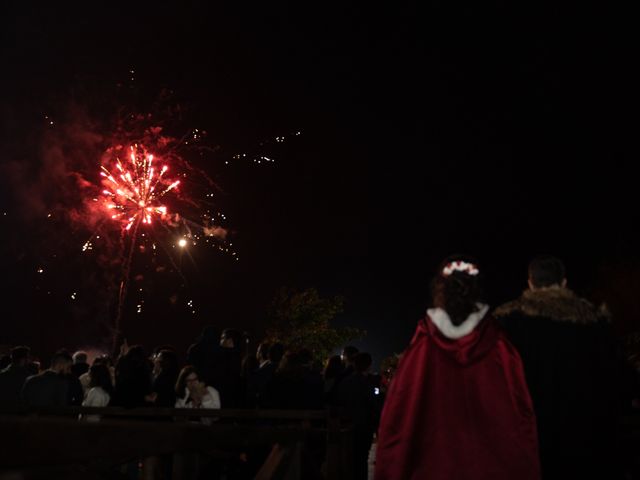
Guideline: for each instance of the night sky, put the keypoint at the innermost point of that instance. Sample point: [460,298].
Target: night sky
[500,131]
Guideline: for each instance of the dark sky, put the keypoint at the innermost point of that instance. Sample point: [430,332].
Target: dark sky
[501,131]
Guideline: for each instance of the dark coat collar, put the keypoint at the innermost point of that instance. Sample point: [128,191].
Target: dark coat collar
[556,303]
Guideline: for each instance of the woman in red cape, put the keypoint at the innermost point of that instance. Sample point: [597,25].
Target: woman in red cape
[458,407]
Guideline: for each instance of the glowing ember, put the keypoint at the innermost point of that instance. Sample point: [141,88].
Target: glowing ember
[133,193]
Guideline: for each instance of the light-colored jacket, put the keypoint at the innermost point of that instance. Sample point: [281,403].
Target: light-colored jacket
[96,397]
[210,400]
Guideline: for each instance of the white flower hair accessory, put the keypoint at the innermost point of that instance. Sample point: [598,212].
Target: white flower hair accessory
[460,266]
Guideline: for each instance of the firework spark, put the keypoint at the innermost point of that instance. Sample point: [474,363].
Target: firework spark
[133,193]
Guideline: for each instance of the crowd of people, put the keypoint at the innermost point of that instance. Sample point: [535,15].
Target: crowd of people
[217,374]
[531,389]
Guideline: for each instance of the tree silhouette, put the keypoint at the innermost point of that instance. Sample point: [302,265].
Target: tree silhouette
[302,319]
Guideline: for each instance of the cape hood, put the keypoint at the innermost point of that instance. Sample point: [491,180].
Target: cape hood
[465,343]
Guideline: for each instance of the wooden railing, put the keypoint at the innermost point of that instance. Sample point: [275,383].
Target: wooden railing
[53,443]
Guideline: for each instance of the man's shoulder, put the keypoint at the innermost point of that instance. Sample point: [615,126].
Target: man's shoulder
[265,370]
[34,381]
[47,377]
[36,378]
[508,309]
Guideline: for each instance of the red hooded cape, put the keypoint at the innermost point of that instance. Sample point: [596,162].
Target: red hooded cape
[458,409]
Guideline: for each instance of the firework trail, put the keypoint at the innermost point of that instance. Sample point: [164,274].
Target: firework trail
[124,286]
[134,189]
[132,197]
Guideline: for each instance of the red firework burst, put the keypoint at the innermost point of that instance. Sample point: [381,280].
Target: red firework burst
[133,193]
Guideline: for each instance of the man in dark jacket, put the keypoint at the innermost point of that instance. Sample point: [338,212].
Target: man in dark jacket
[356,395]
[568,356]
[228,366]
[12,378]
[204,354]
[259,378]
[51,387]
